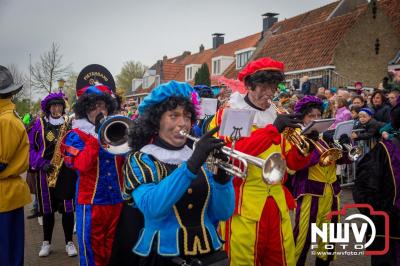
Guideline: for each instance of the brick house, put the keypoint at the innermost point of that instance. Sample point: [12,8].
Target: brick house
[334,45]
[184,67]
[337,44]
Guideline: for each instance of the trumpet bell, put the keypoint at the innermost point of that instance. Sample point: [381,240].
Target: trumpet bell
[274,169]
[330,156]
[355,153]
[113,135]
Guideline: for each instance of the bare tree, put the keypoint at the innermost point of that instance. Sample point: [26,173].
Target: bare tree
[48,69]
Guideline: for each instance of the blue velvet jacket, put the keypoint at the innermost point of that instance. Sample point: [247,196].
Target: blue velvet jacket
[181,209]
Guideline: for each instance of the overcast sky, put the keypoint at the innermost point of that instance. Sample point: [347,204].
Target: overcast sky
[112,32]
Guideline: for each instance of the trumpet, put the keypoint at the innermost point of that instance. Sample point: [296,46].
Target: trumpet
[113,134]
[292,135]
[328,156]
[273,168]
[354,152]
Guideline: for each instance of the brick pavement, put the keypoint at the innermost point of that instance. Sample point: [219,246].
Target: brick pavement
[33,241]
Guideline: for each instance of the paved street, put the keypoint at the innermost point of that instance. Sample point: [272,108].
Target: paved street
[59,257]
[33,242]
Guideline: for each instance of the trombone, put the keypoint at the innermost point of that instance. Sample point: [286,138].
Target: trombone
[273,168]
[328,156]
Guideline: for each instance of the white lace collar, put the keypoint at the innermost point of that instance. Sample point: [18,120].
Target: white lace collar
[85,126]
[261,119]
[175,157]
[55,121]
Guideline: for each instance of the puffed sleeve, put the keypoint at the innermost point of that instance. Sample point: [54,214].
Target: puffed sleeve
[36,146]
[152,196]
[79,154]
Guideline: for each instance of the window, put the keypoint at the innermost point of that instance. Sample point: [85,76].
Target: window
[243,56]
[146,82]
[190,71]
[136,83]
[157,80]
[216,67]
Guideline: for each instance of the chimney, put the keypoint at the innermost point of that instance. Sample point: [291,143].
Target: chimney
[201,49]
[218,39]
[165,58]
[269,20]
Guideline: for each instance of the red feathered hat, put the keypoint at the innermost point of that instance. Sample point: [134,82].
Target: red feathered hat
[265,63]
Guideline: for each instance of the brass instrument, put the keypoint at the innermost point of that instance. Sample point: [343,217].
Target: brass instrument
[328,156]
[273,168]
[57,159]
[354,152]
[292,135]
[113,134]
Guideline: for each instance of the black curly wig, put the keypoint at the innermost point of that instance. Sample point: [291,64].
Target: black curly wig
[53,102]
[264,77]
[308,109]
[146,126]
[87,102]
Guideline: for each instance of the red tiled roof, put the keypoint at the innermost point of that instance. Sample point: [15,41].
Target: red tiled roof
[392,9]
[170,70]
[311,17]
[198,58]
[227,49]
[309,40]
[310,46]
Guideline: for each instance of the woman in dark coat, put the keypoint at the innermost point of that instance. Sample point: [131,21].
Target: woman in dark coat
[380,107]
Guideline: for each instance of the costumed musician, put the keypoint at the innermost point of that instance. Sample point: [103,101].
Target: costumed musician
[99,185]
[315,188]
[182,202]
[55,183]
[378,184]
[260,231]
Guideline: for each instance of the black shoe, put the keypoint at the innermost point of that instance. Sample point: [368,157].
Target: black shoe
[33,215]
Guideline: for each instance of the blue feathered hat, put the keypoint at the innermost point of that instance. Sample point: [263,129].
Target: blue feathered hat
[166,90]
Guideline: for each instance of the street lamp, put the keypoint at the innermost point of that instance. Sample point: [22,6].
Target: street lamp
[61,83]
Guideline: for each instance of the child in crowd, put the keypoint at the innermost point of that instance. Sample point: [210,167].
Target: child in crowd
[342,112]
[354,114]
[370,125]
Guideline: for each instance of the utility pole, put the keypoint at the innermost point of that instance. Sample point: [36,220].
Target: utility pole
[30,82]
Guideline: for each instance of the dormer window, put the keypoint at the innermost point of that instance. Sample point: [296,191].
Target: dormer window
[243,56]
[146,82]
[136,83]
[220,63]
[148,78]
[190,71]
